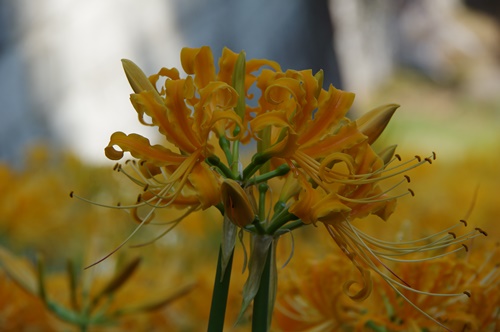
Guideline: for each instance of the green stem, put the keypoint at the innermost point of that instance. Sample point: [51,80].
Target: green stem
[263,144]
[263,188]
[219,295]
[235,155]
[224,170]
[280,220]
[226,147]
[257,227]
[290,226]
[279,171]
[258,160]
[238,83]
[260,319]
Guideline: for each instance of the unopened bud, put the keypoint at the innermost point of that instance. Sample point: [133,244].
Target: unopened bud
[373,123]
[237,205]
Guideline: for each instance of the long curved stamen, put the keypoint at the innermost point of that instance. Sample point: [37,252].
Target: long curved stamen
[151,179]
[403,251]
[309,166]
[371,200]
[360,247]
[188,211]
[355,238]
[162,234]
[381,242]
[418,308]
[443,242]
[119,206]
[121,244]
[359,179]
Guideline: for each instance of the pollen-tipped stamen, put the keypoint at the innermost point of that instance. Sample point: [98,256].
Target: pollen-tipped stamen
[375,176]
[372,199]
[390,281]
[173,223]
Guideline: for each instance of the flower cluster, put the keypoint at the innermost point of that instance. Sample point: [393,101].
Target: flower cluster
[310,164]
[312,302]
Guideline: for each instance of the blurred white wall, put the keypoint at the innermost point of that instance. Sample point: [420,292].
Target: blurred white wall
[70,52]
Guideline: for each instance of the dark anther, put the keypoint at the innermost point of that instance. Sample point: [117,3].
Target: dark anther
[466,248]
[467,293]
[407,178]
[418,158]
[411,192]
[116,166]
[398,157]
[143,162]
[452,234]
[139,198]
[71,194]
[481,231]
[118,204]
[433,155]
[429,160]
[146,187]
[463,222]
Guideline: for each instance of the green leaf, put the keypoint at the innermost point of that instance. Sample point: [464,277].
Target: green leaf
[118,279]
[229,231]
[261,245]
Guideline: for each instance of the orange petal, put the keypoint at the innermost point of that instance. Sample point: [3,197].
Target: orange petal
[226,65]
[275,118]
[328,208]
[206,185]
[302,207]
[345,138]
[140,148]
[179,114]
[199,62]
[333,105]
[215,97]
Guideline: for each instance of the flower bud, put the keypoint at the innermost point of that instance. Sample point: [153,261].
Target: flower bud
[373,123]
[236,203]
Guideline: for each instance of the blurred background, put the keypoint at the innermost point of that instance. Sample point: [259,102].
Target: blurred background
[62,88]
[62,82]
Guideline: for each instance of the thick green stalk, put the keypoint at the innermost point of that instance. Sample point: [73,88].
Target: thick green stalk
[258,160]
[260,318]
[225,145]
[293,225]
[279,171]
[279,221]
[262,145]
[219,296]
[238,83]
[223,169]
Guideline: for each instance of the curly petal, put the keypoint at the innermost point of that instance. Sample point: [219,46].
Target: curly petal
[206,185]
[366,287]
[332,108]
[346,137]
[200,63]
[140,148]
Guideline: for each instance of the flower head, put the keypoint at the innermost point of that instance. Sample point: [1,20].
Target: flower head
[328,170]
[186,111]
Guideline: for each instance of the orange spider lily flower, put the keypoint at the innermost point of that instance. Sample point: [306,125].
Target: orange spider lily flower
[187,112]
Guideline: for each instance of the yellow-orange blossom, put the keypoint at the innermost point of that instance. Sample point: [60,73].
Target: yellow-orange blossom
[334,177]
